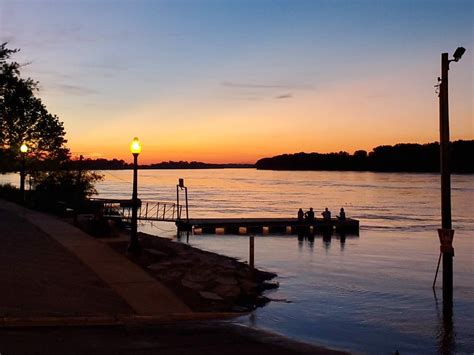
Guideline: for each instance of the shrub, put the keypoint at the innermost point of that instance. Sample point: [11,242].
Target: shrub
[58,189]
[10,192]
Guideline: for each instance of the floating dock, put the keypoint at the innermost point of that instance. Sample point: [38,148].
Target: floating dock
[266,225]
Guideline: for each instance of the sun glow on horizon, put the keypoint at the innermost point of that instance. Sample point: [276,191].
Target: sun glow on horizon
[346,117]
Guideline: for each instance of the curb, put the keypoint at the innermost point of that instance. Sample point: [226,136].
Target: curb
[116,320]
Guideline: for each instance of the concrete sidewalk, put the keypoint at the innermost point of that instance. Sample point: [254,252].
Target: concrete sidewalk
[50,268]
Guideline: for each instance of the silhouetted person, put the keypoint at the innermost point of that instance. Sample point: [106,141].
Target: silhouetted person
[309,215]
[342,215]
[300,215]
[326,214]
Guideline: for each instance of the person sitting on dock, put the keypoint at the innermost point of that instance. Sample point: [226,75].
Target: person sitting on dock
[300,215]
[326,214]
[309,215]
[342,215]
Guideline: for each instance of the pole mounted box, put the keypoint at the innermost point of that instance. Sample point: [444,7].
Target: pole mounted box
[446,237]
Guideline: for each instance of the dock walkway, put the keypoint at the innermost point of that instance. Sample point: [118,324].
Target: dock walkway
[172,212]
[266,225]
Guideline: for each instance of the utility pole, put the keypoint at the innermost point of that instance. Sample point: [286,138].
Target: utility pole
[446,233]
[445,178]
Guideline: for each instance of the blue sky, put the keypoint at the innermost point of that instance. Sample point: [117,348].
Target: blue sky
[253,71]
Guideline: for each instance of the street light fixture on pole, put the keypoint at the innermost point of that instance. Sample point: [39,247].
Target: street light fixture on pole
[23,151]
[446,232]
[135,149]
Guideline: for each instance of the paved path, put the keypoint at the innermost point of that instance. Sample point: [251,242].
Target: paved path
[184,338]
[40,278]
[62,270]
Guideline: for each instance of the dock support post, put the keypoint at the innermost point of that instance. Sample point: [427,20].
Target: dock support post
[187,208]
[252,252]
[177,202]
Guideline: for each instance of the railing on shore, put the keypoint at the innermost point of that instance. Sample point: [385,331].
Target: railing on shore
[147,210]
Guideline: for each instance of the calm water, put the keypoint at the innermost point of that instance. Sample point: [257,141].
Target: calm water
[368,294]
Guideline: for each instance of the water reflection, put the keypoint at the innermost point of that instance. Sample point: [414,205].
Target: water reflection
[342,239]
[326,238]
[327,241]
[445,333]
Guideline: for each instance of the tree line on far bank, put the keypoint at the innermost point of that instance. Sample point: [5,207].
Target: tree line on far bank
[404,157]
[116,164]
[397,158]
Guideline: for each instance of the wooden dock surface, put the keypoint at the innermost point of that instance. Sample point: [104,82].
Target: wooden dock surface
[270,225]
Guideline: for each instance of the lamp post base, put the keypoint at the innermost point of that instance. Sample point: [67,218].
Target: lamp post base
[134,247]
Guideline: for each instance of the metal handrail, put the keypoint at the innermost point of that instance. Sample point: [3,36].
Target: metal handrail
[147,210]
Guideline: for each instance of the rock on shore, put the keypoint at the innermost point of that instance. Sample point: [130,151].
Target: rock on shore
[205,281]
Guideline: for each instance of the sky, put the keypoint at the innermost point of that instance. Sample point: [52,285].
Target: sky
[239,80]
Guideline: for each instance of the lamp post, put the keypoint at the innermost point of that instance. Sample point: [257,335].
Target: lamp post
[135,149]
[23,151]
[446,232]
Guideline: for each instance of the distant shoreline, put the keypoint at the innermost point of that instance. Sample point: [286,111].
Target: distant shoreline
[288,170]
[296,170]
[406,157]
[399,158]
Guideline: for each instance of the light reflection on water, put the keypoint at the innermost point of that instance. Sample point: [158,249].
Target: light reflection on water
[368,294]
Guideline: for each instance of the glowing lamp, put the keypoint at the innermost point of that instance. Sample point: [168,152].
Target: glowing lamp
[24,148]
[135,146]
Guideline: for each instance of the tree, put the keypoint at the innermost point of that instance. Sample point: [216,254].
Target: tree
[24,118]
[360,154]
[65,186]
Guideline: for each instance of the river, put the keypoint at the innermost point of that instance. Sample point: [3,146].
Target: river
[369,293]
